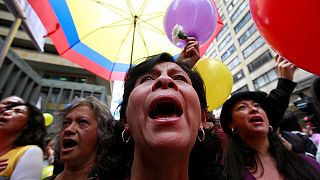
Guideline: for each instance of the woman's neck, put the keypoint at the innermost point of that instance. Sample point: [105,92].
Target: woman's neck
[260,144]
[6,143]
[266,165]
[159,167]
[76,172]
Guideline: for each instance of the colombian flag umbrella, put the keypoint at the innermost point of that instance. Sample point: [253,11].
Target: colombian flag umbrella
[107,36]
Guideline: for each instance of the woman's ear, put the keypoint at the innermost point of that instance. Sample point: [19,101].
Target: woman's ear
[203,119]
[126,127]
[231,125]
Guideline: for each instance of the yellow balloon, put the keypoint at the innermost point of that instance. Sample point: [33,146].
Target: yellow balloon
[217,79]
[48,118]
[47,171]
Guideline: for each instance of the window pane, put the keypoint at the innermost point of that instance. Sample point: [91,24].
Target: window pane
[238,76]
[260,61]
[240,9]
[242,89]
[234,63]
[228,53]
[265,79]
[224,42]
[246,35]
[222,31]
[253,47]
[242,22]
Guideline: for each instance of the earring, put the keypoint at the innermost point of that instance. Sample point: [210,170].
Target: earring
[123,138]
[270,128]
[234,131]
[203,136]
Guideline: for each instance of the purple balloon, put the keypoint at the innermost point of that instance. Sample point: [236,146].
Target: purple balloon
[197,17]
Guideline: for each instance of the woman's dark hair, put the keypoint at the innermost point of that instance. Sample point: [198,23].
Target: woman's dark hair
[36,130]
[240,156]
[205,158]
[105,123]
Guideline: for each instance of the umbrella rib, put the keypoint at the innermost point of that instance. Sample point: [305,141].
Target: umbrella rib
[143,7]
[124,38]
[143,39]
[153,28]
[156,14]
[114,9]
[107,26]
[130,8]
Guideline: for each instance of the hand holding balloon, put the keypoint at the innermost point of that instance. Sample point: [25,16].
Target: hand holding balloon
[191,52]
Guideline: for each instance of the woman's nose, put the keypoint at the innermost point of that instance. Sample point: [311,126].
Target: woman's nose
[164,82]
[253,108]
[70,130]
[7,112]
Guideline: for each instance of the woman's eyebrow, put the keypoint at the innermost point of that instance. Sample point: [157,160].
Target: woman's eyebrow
[14,104]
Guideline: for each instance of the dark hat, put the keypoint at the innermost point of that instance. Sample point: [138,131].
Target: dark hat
[257,96]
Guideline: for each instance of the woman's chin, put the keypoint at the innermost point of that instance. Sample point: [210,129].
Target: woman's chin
[170,144]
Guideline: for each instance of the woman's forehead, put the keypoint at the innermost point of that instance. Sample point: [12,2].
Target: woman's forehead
[12,99]
[171,66]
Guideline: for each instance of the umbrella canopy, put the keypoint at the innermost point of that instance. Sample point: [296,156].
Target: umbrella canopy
[106,36]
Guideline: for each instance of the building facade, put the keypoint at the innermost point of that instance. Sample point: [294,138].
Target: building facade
[44,77]
[249,58]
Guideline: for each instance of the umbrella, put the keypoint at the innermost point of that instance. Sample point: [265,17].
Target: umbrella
[106,36]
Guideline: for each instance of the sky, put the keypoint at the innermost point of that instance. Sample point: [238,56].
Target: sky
[116,98]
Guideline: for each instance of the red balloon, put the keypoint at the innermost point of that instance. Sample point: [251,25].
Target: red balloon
[292,28]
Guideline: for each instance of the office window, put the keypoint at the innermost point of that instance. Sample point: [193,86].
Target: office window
[228,53]
[237,12]
[222,31]
[66,93]
[226,1]
[246,35]
[242,22]
[232,5]
[253,47]
[213,54]
[265,79]
[242,89]
[223,43]
[234,63]
[260,61]
[65,77]
[223,17]
[238,76]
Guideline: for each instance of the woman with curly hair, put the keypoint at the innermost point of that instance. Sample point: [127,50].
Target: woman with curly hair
[85,135]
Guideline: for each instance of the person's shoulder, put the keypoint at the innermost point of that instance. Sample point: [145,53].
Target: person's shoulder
[311,161]
[33,152]
[34,149]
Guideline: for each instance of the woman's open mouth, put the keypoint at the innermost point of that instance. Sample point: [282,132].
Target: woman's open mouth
[164,108]
[68,144]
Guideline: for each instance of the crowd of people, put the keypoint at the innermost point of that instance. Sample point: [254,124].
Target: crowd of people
[165,131]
